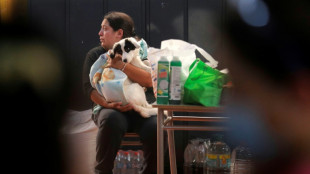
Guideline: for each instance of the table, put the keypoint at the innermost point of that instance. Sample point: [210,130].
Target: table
[167,124]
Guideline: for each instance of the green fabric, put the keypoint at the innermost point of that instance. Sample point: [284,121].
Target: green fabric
[203,85]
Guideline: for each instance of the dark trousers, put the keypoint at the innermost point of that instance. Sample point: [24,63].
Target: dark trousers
[112,126]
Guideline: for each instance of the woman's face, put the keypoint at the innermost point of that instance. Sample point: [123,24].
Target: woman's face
[108,36]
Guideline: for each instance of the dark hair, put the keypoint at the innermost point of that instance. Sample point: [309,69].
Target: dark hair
[119,20]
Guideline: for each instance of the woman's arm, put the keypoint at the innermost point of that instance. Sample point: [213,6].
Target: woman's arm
[134,73]
[97,98]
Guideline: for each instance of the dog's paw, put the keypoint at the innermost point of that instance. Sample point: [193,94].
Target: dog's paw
[144,112]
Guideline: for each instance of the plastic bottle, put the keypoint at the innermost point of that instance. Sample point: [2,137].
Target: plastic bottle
[191,157]
[241,160]
[218,157]
[118,163]
[137,161]
[141,161]
[163,81]
[200,155]
[175,81]
[124,159]
[129,162]
[188,158]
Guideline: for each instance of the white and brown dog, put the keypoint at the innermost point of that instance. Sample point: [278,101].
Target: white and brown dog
[134,93]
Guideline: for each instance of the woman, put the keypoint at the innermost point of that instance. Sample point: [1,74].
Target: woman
[115,119]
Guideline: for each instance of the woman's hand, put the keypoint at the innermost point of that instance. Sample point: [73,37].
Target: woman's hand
[119,106]
[116,62]
[97,98]
[134,73]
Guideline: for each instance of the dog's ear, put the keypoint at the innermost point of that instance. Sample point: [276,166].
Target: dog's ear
[116,49]
[134,42]
[130,44]
[112,54]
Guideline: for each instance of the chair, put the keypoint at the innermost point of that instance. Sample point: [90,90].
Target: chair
[131,139]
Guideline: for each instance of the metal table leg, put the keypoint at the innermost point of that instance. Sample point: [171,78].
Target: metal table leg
[160,142]
[171,145]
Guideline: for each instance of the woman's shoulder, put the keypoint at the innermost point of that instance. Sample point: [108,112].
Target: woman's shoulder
[96,51]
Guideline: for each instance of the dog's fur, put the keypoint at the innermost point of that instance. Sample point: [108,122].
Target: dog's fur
[134,93]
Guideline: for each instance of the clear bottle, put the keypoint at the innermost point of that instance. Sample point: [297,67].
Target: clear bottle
[199,156]
[141,159]
[137,161]
[242,160]
[218,157]
[124,166]
[188,158]
[118,162]
[129,162]
[163,81]
[175,81]
[191,157]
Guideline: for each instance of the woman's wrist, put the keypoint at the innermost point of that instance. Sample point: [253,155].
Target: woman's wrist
[124,67]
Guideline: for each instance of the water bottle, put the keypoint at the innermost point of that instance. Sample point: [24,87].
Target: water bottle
[141,161]
[124,166]
[175,81]
[191,158]
[218,157]
[163,80]
[188,158]
[137,162]
[118,163]
[129,162]
[200,155]
[242,160]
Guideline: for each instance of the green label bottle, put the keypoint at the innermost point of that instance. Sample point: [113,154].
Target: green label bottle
[163,80]
[175,81]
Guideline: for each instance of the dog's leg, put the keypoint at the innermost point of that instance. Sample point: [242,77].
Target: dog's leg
[138,63]
[145,112]
[134,94]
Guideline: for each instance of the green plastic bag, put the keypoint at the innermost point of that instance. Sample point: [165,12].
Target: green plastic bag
[203,85]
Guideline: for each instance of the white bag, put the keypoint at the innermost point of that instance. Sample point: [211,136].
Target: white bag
[186,53]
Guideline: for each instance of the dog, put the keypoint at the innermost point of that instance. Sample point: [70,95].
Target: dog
[129,49]
[134,93]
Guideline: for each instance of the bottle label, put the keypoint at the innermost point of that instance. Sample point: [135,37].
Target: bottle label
[218,160]
[175,83]
[162,83]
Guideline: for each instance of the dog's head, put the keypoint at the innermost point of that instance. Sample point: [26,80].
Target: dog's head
[126,47]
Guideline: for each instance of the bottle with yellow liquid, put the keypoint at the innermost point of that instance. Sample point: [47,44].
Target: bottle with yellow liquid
[218,157]
[163,80]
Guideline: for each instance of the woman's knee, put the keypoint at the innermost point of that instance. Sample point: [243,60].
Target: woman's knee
[112,119]
[149,129]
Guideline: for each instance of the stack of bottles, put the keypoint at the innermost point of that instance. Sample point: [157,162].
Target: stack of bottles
[128,162]
[218,157]
[201,156]
[242,160]
[194,155]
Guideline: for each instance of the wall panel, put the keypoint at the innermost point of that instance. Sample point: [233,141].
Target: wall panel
[83,24]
